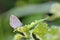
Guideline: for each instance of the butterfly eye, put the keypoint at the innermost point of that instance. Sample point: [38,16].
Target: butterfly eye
[15,22]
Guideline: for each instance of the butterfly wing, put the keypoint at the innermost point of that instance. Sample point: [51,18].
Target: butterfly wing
[15,22]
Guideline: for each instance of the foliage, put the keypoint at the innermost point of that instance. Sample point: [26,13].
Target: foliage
[24,2]
[39,29]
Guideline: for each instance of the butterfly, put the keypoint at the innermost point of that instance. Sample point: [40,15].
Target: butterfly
[15,22]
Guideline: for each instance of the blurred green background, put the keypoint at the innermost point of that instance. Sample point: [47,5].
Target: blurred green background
[6,32]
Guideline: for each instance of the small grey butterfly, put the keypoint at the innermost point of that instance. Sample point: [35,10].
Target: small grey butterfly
[15,22]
